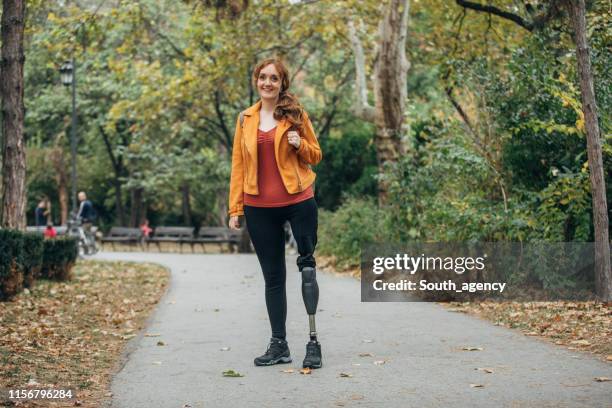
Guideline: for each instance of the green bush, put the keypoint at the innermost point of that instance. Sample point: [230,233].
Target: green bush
[59,256]
[343,233]
[32,259]
[11,263]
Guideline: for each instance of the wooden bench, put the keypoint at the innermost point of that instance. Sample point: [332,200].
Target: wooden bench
[123,235]
[217,235]
[179,235]
[60,229]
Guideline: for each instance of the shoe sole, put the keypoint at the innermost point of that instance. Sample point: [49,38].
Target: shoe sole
[281,360]
[312,365]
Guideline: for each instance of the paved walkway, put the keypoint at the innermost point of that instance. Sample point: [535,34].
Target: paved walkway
[217,301]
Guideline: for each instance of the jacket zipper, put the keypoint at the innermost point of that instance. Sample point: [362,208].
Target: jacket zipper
[298,178]
[246,172]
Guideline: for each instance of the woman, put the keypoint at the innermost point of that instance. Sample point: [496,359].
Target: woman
[271,182]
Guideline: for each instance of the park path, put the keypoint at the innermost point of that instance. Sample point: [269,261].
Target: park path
[216,301]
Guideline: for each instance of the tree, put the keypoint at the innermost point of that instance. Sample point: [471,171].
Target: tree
[11,92]
[577,11]
[390,73]
[603,273]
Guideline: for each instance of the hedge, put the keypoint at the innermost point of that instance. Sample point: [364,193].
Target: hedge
[59,256]
[11,263]
[26,257]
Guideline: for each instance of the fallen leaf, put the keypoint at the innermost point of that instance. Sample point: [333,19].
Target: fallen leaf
[232,373]
[161,343]
[602,379]
[306,370]
[581,342]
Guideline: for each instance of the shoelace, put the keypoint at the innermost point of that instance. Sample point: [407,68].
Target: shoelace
[274,348]
[311,350]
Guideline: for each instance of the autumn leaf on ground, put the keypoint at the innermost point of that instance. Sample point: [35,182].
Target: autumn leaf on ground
[306,370]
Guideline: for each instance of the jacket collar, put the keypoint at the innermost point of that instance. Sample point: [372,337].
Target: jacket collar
[251,125]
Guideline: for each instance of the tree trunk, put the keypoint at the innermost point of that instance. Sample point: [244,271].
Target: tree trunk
[186,204]
[136,213]
[603,275]
[11,91]
[390,77]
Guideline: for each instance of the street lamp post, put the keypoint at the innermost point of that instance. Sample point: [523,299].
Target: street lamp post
[68,76]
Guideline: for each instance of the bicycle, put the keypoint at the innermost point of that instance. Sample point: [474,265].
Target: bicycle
[84,234]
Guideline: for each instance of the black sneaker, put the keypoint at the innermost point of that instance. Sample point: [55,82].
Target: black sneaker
[313,355]
[278,352]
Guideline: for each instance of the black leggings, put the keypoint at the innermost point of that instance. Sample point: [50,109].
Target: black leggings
[266,228]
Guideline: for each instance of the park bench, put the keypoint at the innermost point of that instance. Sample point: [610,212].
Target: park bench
[217,235]
[123,235]
[60,229]
[179,235]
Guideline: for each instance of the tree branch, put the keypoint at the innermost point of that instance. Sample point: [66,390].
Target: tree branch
[496,11]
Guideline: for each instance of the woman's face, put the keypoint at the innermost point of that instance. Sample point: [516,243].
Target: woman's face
[269,82]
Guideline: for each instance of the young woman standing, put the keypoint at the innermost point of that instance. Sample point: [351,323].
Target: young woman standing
[271,182]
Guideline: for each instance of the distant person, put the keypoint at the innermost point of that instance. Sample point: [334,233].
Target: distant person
[41,213]
[50,232]
[86,212]
[146,230]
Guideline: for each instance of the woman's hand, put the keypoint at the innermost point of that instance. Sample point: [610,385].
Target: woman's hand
[293,138]
[234,223]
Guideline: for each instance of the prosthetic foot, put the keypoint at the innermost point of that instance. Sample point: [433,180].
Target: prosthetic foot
[310,293]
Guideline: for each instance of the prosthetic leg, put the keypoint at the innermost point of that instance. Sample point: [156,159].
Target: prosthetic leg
[310,293]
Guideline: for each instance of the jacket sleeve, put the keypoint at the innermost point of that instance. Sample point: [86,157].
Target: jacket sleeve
[236,204]
[309,149]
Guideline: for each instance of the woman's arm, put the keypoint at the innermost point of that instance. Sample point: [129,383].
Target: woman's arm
[309,149]
[236,200]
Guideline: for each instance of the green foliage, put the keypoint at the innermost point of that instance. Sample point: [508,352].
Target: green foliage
[349,166]
[59,256]
[32,259]
[343,233]
[11,263]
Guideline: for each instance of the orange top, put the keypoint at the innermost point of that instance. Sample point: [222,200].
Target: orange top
[272,191]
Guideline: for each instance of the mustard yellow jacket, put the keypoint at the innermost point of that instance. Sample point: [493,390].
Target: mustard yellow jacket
[293,164]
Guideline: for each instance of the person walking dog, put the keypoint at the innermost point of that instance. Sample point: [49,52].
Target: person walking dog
[272,182]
